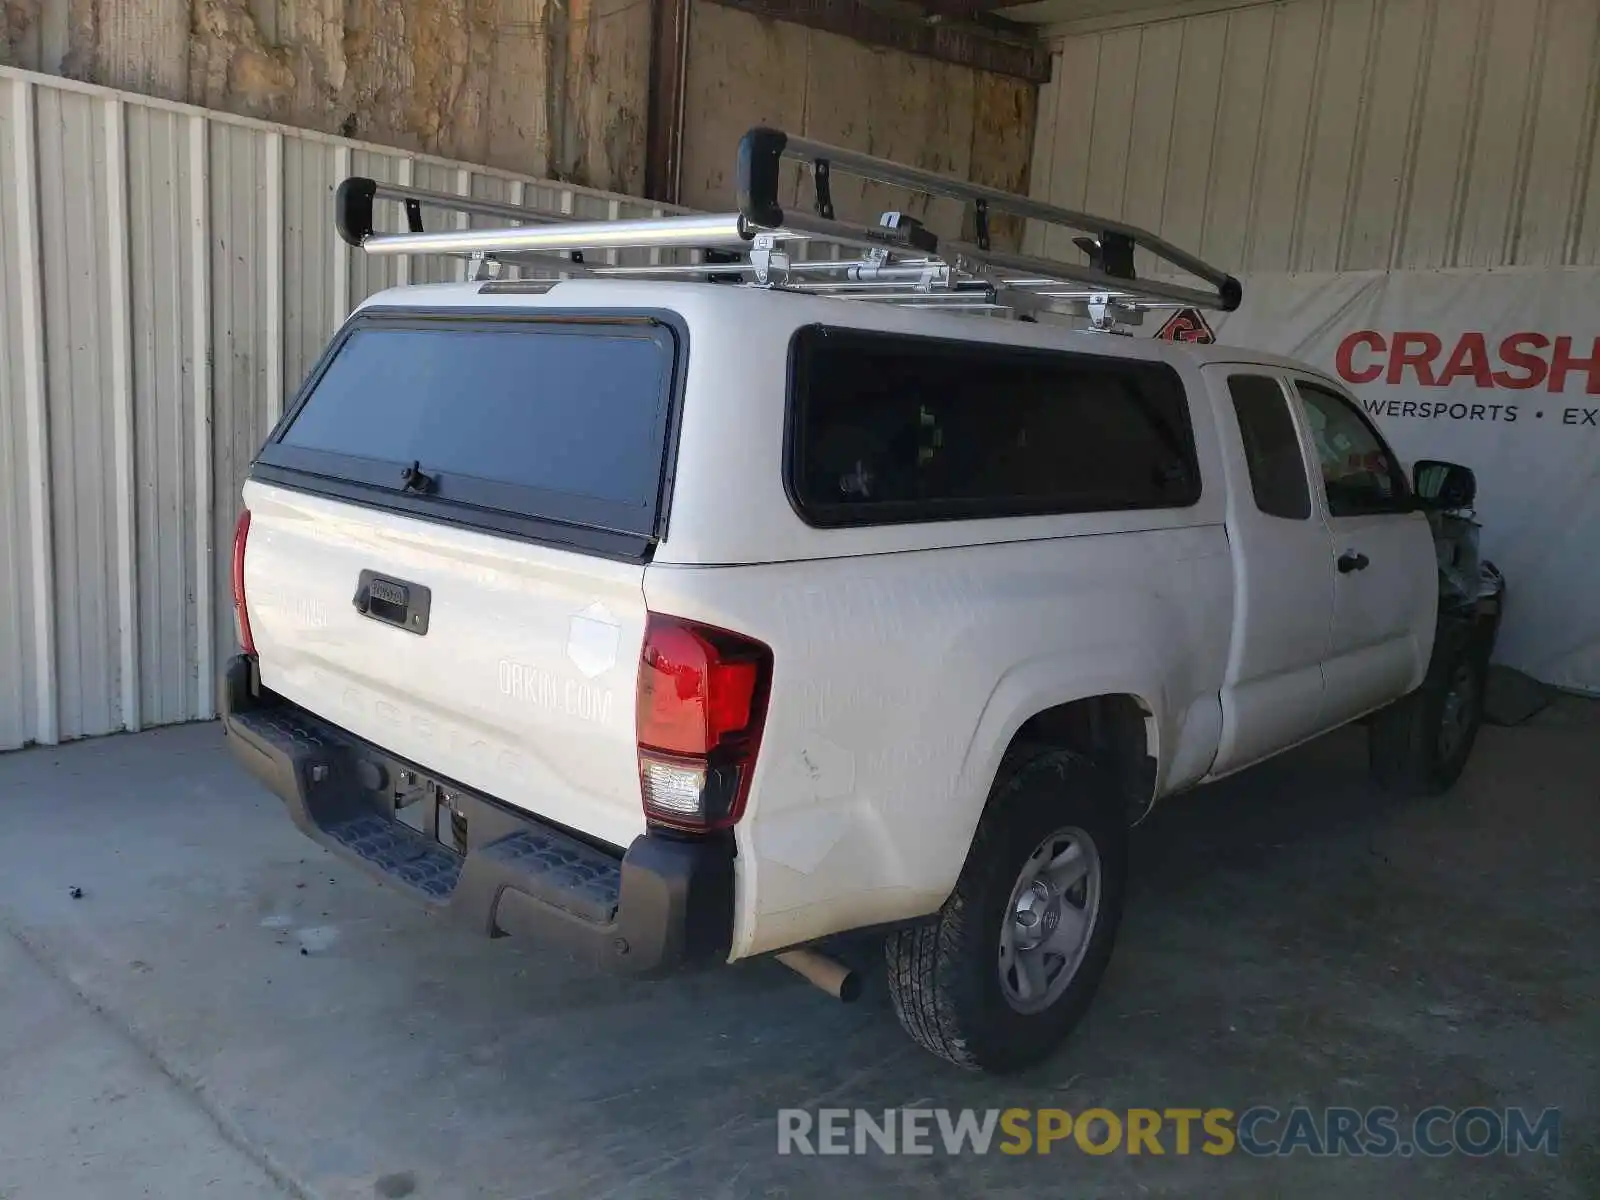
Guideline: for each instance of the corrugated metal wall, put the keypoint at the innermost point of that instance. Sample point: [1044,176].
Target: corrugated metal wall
[167,276]
[1317,135]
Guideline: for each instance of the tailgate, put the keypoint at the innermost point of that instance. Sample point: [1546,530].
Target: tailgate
[522,685]
[446,548]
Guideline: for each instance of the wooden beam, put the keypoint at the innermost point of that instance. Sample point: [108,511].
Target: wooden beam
[669,52]
[966,8]
[1022,57]
[997,23]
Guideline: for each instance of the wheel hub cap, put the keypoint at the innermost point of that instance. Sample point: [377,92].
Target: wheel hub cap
[1055,903]
[1038,914]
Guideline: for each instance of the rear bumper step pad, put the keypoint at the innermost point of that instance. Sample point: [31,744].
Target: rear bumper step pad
[665,904]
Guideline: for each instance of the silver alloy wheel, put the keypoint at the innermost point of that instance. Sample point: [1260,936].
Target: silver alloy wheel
[1049,920]
[1460,702]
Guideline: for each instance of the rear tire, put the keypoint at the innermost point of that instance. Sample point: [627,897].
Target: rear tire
[954,989]
[1419,745]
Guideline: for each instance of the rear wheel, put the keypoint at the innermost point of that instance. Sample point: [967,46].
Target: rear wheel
[1419,745]
[1017,951]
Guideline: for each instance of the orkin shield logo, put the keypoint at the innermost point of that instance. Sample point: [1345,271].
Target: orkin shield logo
[1187,325]
[592,640]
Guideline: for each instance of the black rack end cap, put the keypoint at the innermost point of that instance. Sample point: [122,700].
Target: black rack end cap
[760,152]
[352,209]
[1231,293]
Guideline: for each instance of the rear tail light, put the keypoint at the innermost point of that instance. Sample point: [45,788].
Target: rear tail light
[702,701]
[241,615]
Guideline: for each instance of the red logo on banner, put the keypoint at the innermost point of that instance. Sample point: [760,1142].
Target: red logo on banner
[1518,362]
[1187,325]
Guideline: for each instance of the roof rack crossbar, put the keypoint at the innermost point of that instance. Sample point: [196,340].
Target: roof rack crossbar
[898,260]
[762,149]
[717,230]
[1088,276]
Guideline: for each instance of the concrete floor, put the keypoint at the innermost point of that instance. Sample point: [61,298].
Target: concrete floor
[1291,938]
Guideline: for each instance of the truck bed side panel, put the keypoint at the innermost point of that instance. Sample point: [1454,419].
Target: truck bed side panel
[899,679]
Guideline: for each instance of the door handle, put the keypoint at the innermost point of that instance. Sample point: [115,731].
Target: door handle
[1352,560]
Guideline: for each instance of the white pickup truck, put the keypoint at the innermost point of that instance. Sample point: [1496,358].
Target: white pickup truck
[687,622]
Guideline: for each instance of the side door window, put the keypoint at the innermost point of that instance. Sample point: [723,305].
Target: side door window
[1383,560]
[1271,447]
[1360,474]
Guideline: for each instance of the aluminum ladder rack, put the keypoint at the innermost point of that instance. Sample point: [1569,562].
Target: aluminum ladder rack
[897,261]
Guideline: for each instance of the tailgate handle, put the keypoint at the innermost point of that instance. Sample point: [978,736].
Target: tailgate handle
[393,601]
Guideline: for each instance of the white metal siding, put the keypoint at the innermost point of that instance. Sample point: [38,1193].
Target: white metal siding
[162,183]
[167,276]
[1318,135]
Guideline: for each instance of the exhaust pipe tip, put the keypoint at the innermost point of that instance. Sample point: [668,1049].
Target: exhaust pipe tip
[828,974]
[850,987]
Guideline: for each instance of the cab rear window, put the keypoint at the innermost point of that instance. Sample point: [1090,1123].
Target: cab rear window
[561,421]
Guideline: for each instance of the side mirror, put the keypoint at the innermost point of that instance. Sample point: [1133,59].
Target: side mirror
[1443,485]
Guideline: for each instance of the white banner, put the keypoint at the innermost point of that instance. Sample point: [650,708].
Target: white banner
[1497,369]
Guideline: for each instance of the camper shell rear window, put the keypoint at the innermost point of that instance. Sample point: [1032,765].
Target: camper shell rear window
[552,425]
